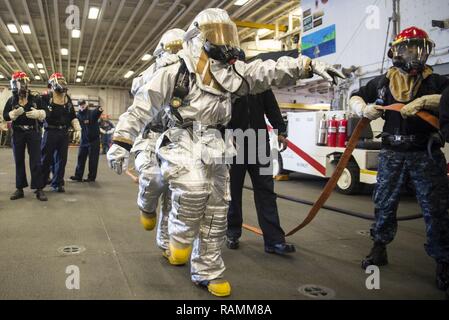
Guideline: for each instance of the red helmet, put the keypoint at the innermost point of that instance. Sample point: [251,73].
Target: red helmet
[410,49]
[19,83]
[57,83]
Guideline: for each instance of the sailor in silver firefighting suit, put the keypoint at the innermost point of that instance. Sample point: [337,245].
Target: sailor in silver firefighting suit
[151,183]
[191,153]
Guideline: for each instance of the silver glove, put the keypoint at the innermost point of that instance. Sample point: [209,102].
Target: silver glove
[36,114]
[326,71]
[118,158]
[14,114]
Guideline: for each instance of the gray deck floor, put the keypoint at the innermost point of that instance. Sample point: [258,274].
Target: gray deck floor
[122,261]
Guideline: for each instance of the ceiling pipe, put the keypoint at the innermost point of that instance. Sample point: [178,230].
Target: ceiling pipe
[111,28]
[80,44]
[97,27]
[100,75]
[139,49]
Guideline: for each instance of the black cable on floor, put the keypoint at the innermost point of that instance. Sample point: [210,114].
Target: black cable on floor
[339,210]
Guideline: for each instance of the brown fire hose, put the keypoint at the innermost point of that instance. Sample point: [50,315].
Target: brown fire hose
[345,158]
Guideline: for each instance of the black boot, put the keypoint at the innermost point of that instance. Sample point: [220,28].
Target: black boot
[442,276]
[377,257]
[281,248]
[232,243]
[40,195]
[18,194]
[59,189]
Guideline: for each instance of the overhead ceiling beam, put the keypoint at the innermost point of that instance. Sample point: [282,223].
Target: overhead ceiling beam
[58,32]
[11,57]
[12,42]
[100,75]
[47,37]
[105,41]
[80,44]
[171,25]
[14,17]
[268,17]
[100,18]
[255,25]
[34,35]
[139,50]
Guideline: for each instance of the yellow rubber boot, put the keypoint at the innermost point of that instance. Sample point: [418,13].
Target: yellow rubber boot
[179,253]
[148,221]
[219,288]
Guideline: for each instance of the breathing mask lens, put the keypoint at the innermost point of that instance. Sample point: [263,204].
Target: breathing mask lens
[412,55]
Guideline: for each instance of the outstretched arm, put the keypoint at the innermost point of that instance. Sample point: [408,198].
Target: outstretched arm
[286,71]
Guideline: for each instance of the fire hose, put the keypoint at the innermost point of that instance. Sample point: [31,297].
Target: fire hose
[344,160]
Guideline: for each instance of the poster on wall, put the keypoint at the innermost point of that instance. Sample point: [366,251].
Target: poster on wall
[320,43]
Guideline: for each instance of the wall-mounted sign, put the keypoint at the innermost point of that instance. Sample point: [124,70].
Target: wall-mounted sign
[308,23]
[307,13]
[320,43]
[317,22]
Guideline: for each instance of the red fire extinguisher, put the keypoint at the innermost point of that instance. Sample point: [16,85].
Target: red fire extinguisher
[332,132]
[342,132]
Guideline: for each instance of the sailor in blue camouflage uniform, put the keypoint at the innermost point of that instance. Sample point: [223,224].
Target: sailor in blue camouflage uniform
[411,148]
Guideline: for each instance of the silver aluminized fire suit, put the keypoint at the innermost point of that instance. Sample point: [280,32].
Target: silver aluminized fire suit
[192,159]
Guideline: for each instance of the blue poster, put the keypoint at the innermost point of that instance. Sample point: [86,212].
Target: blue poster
[320,43]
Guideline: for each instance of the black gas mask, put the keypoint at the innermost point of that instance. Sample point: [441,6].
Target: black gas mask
[19,84]
[411,56]
[223,53]
[58,83]
[222,41]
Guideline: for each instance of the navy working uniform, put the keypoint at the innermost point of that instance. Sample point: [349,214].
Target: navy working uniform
[404,153]
[411,148]
[55,144]
[90,143]
[444,115]
[248,113]
[106,129]
[26,135]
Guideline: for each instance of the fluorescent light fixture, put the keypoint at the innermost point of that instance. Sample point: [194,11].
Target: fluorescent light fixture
[147,57]
[240,2]
[31,66]
[81,68]
[10,48]
[40,66]
[25,29]
[93,13]
[78,80]
[76,33]
[129,74]
[2,76]
[64,52]
[42,71]
[37,77]
[79,74]
[12,28]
